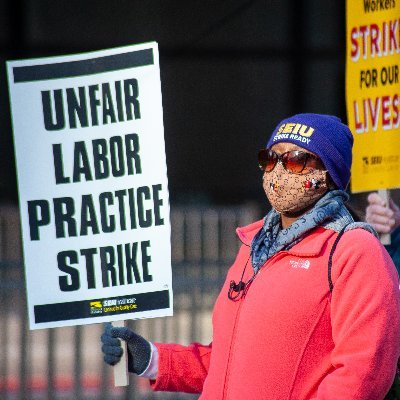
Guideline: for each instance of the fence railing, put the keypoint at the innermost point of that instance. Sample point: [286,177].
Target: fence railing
[66,363]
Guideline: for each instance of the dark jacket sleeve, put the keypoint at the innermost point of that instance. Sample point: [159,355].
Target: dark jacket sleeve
[394,248]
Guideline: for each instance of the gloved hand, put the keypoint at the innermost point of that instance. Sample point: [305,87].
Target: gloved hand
[139,349]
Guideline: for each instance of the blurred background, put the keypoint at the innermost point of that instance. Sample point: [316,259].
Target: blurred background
[230,71]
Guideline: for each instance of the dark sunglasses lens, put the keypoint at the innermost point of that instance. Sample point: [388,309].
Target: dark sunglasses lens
[267,160]
[295,161]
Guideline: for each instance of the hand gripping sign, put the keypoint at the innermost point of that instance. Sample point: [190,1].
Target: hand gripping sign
[90,155]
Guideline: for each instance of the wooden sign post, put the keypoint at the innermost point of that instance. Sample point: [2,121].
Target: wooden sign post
[121,375]
[385,194]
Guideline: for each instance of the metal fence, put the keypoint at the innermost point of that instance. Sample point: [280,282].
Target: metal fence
[66,363]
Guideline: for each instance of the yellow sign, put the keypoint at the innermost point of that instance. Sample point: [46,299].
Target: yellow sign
[373,92]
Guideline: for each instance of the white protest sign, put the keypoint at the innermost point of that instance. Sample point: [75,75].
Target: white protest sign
[90,155]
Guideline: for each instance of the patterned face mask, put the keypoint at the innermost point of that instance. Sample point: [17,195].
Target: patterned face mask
[291,193]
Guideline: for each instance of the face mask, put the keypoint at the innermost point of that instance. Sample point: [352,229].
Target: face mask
[291,193]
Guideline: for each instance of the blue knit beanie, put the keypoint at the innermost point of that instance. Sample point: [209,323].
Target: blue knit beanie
[324,135]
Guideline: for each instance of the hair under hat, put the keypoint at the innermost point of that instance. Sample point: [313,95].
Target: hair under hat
[324,135]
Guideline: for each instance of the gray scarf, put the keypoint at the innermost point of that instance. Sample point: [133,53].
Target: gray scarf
[328,212]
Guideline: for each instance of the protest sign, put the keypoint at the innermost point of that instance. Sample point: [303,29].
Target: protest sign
[92,181]
[373,92]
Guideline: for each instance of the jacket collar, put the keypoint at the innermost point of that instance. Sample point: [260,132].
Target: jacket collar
[310,245]
[246,233]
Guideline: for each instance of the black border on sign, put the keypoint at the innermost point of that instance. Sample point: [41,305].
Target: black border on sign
[83,309]
[90,66]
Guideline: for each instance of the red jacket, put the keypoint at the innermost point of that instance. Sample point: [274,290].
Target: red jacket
[289,337]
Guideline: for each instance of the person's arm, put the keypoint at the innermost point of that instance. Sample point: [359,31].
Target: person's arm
[365,318]
[170,367]
[385,220]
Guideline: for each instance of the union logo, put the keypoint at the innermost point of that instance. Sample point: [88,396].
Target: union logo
[299,129]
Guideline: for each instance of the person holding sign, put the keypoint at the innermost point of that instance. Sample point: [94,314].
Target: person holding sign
[385,220]
[302,315]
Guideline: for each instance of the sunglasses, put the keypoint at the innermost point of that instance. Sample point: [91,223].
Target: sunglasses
[293,161]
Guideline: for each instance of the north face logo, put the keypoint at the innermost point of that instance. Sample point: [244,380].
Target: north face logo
[305,264]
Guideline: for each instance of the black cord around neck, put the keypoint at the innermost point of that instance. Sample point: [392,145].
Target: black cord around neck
[236,290]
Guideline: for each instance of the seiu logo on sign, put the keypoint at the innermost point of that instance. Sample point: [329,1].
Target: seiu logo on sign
[300,129]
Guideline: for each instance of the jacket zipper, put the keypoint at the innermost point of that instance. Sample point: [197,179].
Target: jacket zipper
[232,344]
[231,350]
[225,387]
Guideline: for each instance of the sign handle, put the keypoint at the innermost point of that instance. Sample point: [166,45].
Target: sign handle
[385,194]
[121,377]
